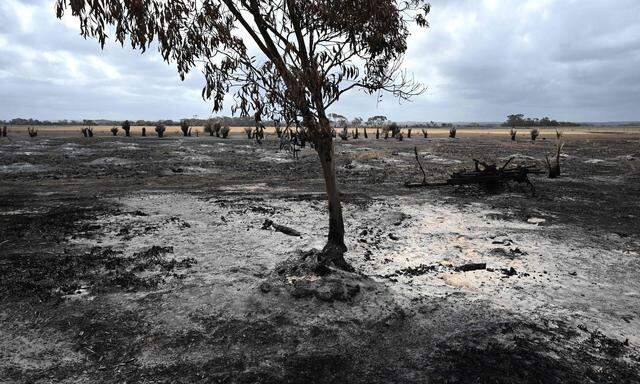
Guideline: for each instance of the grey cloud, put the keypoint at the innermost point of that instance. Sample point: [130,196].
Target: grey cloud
[572,60]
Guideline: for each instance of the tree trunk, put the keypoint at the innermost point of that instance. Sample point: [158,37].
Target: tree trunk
[333,252]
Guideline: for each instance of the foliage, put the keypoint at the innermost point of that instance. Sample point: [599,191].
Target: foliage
[518,120]
[377,121]
[312,52]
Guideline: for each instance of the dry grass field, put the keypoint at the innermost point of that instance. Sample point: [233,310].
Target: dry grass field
[549,132]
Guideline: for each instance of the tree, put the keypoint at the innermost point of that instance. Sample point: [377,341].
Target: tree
[311,53]
[376,121]
[515,120]
[337,121]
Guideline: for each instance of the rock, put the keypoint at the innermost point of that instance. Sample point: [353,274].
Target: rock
[393,237]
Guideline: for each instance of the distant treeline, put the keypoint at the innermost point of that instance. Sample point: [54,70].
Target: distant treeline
[224,120]
[518,120]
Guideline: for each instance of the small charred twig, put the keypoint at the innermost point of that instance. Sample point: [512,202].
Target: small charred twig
[33,132]
[114,131]
[425,133]
[453,132]
[424,174]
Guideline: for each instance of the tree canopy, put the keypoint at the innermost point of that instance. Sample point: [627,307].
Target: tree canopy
[310,52]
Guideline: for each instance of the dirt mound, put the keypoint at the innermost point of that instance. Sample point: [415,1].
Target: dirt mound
[302,277]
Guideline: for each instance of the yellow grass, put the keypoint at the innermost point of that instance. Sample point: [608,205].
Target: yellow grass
[549,132]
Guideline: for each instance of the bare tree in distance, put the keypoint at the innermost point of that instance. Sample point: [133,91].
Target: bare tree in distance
[311,53]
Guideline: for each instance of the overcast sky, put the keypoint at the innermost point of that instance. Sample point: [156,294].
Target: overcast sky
[575,60]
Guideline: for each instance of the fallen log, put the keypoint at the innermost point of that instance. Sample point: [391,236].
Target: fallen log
[470,267]
[488,175]
[280,228]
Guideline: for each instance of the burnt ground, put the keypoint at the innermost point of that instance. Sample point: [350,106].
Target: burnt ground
[144,260]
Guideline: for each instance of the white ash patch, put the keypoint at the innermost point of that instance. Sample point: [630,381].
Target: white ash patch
[278,157]
[572,277]
[197,158]
[22,168]
[73,149]
[253,188]
[624,158]
[389,160]
[106,161]
[429,157]
[190,171]
[358,166]
[440,160]
[518,156]
[595,161]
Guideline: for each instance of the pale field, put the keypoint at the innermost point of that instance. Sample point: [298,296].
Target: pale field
[549,132]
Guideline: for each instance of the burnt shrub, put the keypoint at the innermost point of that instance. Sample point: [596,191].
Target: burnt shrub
[126,127]
[160,129]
